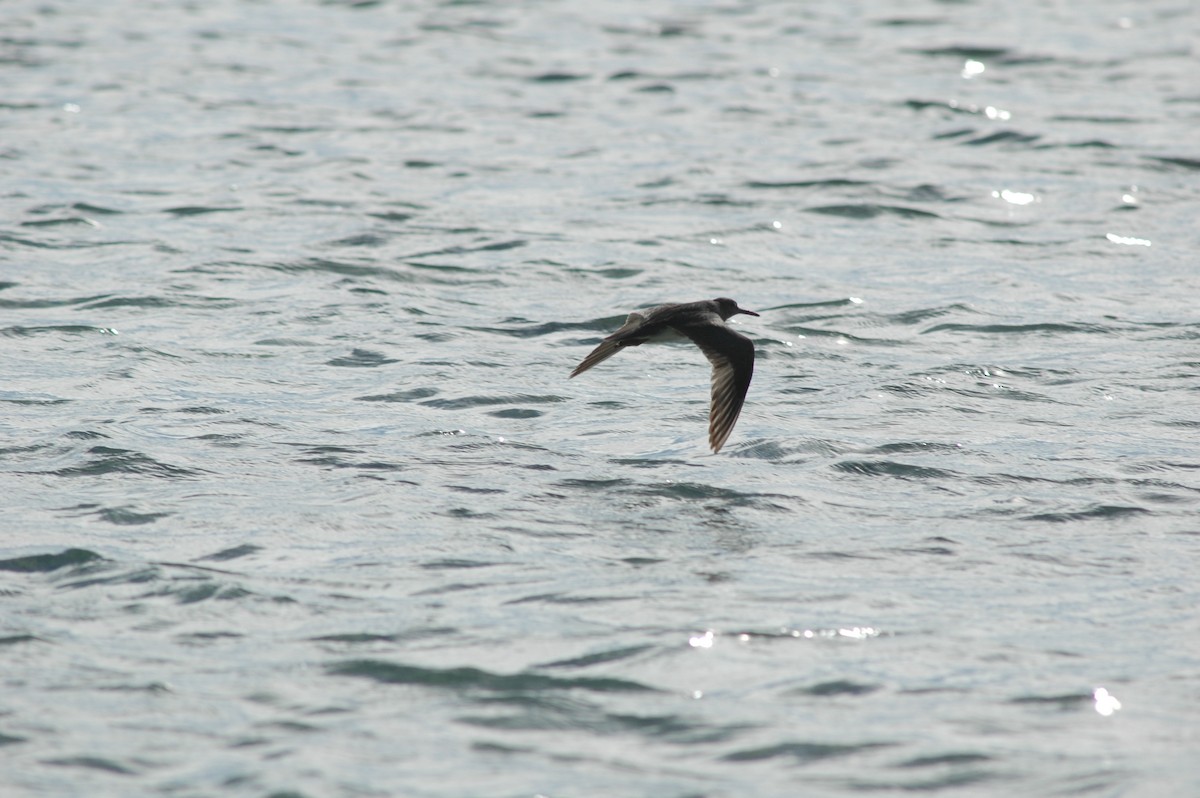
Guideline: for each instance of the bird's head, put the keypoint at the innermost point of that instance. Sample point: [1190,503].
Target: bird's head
[726,307]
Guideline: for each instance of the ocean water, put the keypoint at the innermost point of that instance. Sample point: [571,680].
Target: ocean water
[299,501]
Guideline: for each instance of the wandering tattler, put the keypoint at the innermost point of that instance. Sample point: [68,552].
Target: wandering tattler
[730,352]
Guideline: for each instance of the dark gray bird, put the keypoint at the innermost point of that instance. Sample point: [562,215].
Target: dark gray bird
[731,353]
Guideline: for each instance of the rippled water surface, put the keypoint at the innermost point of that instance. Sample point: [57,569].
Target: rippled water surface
[298,498]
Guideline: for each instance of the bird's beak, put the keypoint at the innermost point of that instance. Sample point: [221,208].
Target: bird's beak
[747,312]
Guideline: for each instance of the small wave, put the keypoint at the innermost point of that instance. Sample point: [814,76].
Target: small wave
[347,639]
[458,249]
[963,51]
[477,679]
[528,329]
[391,216]
[1041,328]
[360,240]
[126,516]
[768,450]
[906,447]
[361,358]
[836,182]
[15,640]
[464,402]
[38,304]
[10,739]
[826,303]
[46,563]
[937,760]
[868,210]
[803,753]
[517,412]
[1102,512]
[557,77]
[53,329]
[1002,137]
[61,221]
[234,553]
[910,317]
[1185,163]
[818,332]
[93,763]
[997,55]
[1057,701]
[332,457]
[34,402]
[567,599]
[890,468]
[838,687]
[200,210]
[202,302]
[74,242]
[109,460]
[600,657]
[455,564]
[411,395]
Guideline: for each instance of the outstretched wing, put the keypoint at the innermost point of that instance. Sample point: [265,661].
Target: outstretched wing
[732,358]
[613,343]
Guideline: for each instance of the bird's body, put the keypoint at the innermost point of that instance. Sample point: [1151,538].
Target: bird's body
[730,352]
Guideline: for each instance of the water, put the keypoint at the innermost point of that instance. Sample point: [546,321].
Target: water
[299,500]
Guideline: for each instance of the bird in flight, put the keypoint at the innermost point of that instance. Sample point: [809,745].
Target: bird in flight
[730,352]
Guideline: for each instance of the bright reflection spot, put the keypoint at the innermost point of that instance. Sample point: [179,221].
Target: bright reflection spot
[701,641]
[71,108]
[499,439]
[716,241]
[852,632]
[744,638]
[1124,23]
[1129,199]
[1106,702]
[990,111]
[858,632]
[697,694]
[853,300]
[773,72]
[972,68]
[1128,240]
[1014,197]
[777,225]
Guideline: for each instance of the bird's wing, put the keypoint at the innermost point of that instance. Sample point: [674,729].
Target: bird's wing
[732,358]
[612,344]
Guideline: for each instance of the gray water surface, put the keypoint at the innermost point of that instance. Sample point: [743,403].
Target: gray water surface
[299,501]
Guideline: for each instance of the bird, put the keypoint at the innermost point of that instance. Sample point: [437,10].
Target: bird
[730,352]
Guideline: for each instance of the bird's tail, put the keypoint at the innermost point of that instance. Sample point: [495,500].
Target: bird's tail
[601,353]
